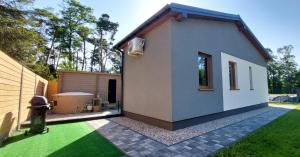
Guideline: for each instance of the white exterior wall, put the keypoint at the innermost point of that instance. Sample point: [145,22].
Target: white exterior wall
[243,97]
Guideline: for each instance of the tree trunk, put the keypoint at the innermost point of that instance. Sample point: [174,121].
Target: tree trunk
[100,53]
[51,47]
[58,57]
[83,63]
[70,45]
[104,60]
[76,60]
[71,57]
[92,61]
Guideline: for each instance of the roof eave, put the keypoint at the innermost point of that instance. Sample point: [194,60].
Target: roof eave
[258,44]
[191,12]
[145,24]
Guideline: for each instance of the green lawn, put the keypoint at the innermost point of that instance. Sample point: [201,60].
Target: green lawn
[64,140]
[280,138]
[284,103]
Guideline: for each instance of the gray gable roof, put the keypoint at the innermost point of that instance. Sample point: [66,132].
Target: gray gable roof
[189,11]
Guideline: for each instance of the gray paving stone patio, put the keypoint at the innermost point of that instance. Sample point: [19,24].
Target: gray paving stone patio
[138,145]
[173,137]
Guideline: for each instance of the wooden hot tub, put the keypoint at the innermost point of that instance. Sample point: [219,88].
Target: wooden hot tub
[72,102]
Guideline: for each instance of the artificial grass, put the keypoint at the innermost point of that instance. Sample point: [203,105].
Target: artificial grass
[64,140]
[280,138]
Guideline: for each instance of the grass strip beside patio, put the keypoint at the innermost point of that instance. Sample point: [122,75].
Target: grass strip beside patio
[64,140]
[279,138]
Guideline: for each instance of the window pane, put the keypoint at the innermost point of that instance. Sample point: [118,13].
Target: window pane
[232,75]
[250,78]
[202,68]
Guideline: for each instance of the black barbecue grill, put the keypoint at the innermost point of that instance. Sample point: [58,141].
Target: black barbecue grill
[39,107]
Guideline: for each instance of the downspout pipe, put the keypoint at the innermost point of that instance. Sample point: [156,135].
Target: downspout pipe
[122,80]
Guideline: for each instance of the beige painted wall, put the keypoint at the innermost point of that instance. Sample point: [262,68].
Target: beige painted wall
[17,86]
[211,37]
[88,82]
[147,79]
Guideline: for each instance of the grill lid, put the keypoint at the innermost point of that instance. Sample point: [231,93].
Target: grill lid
[38,101]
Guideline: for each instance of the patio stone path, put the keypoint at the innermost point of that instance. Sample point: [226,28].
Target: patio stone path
[138,145]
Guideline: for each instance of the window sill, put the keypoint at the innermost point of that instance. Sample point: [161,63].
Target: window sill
[208,89]
[234,89]
[251,89]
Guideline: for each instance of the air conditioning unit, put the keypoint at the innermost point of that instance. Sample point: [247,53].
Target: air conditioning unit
[136,47]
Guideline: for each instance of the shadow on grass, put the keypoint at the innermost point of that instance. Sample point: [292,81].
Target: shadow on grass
[91,145]
[6,127]
[16,138]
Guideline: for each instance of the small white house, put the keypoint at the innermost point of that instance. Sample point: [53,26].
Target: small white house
[187,65]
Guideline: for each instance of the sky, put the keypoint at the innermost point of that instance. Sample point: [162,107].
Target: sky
[275,23]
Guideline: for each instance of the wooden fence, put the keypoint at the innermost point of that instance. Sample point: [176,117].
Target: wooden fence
[17,86]
[52,89]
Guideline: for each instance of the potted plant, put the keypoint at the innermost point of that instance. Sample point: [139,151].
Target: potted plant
[97,104]
[96,108]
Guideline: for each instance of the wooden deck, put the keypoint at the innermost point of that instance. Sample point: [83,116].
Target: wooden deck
[77,117]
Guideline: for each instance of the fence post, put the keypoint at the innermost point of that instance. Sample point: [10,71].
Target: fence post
[97,84]
[34,85]
[60,82]
[20,99]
